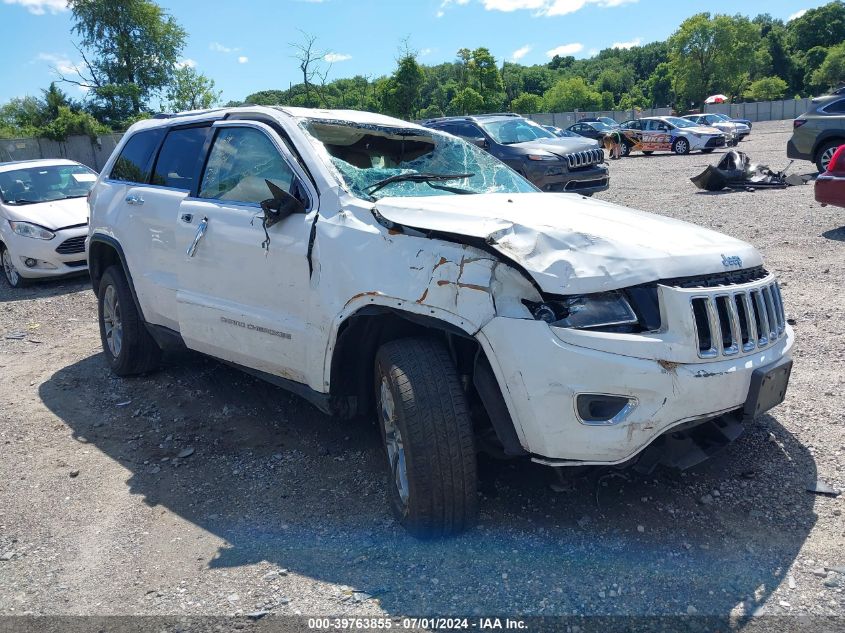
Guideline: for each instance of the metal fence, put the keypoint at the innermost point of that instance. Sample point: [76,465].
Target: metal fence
[763,110]
[95,152]
[83,149]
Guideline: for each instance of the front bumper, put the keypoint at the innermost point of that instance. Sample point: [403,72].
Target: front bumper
[540,376]
[69,259]
[558,178]
[706,142]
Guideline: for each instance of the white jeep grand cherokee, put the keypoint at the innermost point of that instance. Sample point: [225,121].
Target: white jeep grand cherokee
[373,265]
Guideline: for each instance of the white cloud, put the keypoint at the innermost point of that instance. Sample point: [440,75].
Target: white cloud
[634,42]
[40,7]
[243,59]
[520,52]
[219,48]
[336,57]
[62,64]
[796,15]
[549,8]
[565,49]
[446,3]
[426,52]
[186,63]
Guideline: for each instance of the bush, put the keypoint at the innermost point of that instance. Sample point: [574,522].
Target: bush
[766,89]
[70,123]
[527,103]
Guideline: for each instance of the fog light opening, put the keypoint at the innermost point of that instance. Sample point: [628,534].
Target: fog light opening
[602,409]
[30,262]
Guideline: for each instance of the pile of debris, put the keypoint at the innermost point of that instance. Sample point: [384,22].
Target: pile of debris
[735,171]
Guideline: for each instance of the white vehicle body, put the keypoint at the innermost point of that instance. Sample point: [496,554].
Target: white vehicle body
[42,231]
[729,128]
[475,266]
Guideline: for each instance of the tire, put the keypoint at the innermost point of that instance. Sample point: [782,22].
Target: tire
[648,152]
[428,438]
[825,153]
[625,149]
[127,345]
[680,146]
[10,273]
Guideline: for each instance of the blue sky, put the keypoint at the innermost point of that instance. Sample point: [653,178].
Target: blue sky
[243,45]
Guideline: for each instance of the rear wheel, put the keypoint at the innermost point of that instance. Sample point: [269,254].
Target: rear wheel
[825,153]
[624,149]
[428,437]
[680,146]
[127,345]
[13,277]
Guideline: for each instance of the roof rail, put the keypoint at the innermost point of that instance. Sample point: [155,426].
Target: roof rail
[177,115]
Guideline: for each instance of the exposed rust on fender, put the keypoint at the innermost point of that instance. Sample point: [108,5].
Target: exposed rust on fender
[423,296]
[669,366]
[442,261]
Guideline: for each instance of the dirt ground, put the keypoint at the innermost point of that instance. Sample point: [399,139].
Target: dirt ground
[275,507]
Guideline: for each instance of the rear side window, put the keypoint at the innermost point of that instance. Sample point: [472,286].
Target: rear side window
[837,107]
[466,130]
[178,160]
[133,164]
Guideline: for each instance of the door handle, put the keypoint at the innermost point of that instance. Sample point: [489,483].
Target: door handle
[203,225]
[134,199]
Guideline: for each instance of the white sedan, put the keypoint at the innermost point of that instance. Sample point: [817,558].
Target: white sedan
[721,123]
[43,218]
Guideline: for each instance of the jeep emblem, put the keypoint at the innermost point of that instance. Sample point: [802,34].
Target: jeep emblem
[733,260]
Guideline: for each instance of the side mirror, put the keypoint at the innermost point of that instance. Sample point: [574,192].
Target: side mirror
[280,206]
[480,142]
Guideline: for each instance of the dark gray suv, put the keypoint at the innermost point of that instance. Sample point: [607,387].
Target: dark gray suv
[570,164]
[817,134]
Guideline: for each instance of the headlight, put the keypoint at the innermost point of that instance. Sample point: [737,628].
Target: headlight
[27,229]
[608,309]
[543,157]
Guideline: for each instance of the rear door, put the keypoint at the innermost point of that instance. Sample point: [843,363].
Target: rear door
[244,294]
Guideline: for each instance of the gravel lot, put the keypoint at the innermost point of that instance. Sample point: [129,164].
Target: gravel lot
[199,490]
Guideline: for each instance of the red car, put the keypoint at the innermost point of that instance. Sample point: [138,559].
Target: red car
[830,186]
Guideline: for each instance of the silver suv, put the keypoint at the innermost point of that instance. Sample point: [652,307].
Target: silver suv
[816,134]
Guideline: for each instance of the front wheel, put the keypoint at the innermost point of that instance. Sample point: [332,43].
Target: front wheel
[127,345]
[13,277]
[680,146]
[624,149]
[428,437]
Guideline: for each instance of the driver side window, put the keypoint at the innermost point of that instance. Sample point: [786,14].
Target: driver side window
[240,160]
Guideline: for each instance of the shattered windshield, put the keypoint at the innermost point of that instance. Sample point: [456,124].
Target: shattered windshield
[377,161]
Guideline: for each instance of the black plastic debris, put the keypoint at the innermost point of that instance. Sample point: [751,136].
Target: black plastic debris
[736,171]
[821,487]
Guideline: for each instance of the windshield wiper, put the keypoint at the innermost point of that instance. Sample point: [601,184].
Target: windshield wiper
[415,177]
[23,201]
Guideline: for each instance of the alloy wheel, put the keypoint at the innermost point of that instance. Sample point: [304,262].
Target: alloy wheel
[680,146]
[112,322]
[394,442]
[12,275]
[827,156]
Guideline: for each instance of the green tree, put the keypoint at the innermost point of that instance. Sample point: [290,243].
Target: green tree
[402,92]
[766,89]
[70,123]
[824,26]
[527,103]
[831,73]
[129,49]
[570,94]
[191,90]
[467,101]
[486,78]
[709,53]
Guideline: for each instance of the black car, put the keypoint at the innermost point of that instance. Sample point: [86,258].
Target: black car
[592,129]
[552,163]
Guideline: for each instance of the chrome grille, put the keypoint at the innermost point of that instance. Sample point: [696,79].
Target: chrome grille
[729,322]
[578,160]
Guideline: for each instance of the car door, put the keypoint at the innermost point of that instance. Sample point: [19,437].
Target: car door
[244,294]
[154,208]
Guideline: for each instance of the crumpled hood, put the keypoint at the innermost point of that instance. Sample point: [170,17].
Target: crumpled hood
[560,146]
[575,245]
[53,215]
